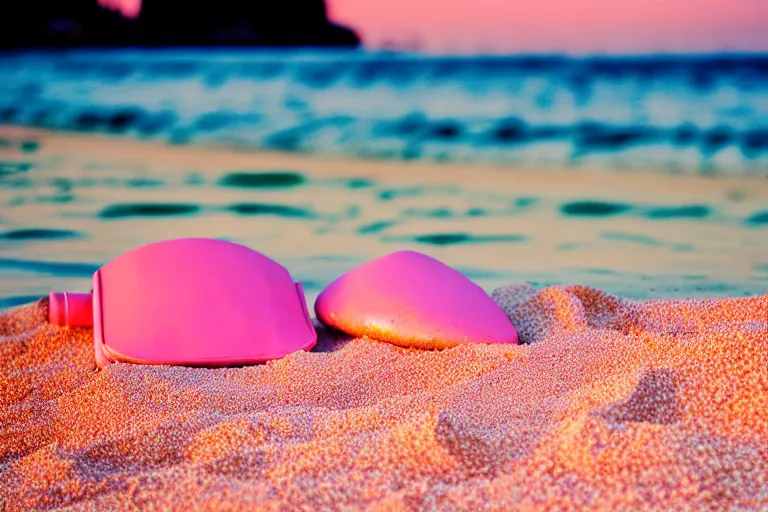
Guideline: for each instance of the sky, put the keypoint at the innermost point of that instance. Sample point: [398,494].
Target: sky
[552,26]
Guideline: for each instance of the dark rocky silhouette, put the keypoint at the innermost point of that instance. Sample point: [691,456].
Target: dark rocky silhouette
[166,23]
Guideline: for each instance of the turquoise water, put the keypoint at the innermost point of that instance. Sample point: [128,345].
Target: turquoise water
[65,211]
[685,114]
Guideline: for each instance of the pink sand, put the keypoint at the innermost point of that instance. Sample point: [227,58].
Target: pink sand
[613,405]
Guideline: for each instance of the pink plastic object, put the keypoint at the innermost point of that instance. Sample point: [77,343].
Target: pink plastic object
[67,308]
[412,300]
[196,302]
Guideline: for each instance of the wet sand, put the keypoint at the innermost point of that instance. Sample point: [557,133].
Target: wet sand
[69,203]
[610,404]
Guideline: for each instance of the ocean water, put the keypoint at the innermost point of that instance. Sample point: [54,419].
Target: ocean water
[69,206]
[685,114]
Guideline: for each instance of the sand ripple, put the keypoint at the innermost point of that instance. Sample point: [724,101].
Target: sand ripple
[610,405]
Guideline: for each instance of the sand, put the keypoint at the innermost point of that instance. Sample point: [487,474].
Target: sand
[609,405]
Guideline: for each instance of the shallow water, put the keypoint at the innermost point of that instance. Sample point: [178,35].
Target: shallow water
[69,204]
[684,114]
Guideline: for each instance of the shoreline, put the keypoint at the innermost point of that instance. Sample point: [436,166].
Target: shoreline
[638,179]
[499,224]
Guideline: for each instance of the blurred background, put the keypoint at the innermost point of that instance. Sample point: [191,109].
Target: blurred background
[616,143]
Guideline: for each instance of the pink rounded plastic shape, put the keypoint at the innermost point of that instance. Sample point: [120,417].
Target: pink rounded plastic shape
[197,302]
[67,308]
[412,300]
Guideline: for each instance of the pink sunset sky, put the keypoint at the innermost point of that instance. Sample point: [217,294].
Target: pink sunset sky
[571,26]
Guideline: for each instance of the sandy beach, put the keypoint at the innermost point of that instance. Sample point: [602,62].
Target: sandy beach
[611,402]
[613,405]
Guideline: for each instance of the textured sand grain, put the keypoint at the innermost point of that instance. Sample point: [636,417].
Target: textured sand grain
[612,405]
